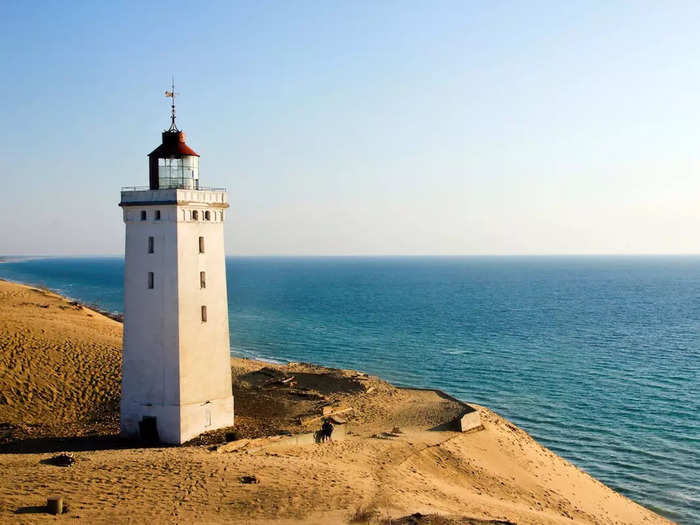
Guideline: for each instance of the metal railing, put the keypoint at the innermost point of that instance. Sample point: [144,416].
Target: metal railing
[148,188]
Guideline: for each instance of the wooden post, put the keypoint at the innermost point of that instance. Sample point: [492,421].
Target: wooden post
[55,504]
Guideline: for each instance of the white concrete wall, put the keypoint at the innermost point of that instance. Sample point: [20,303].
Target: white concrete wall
[175,367]
[150,350]
[469,421]
[205,359]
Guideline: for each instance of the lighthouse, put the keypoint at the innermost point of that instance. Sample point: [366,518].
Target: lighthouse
[176,374]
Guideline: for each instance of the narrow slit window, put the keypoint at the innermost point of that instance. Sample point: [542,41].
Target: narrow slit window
[157,215]
[143,215]
[201,245]
[195,215]
[202,279]
[207,216]
[151,280]
[151,245]
[204,314]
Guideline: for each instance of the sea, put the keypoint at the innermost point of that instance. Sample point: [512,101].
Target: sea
[598,358]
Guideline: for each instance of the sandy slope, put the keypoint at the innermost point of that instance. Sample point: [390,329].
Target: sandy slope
[59,371]
[59,362]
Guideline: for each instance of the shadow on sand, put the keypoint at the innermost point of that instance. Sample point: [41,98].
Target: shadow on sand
[34,509]
[450,426]
[329,382]
[70,444]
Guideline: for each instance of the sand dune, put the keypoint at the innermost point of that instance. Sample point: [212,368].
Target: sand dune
[59,363]
[59,390]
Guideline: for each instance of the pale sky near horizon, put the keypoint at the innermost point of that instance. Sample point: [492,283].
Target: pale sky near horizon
[361,127]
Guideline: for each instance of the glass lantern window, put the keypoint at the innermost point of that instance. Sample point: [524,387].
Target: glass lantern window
[179,172]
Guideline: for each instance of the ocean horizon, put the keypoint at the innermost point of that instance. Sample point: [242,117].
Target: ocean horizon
[597,357]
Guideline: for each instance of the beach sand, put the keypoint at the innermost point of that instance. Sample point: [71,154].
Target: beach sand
[59,391]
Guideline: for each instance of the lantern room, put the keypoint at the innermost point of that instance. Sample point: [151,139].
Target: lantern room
[173,164]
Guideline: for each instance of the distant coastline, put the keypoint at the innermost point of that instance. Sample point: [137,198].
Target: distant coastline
[116,316]
[21,258]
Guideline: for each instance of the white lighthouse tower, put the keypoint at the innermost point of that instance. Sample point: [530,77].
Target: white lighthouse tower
[176,375]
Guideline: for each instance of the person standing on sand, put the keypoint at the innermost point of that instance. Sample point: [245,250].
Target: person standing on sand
[327,430]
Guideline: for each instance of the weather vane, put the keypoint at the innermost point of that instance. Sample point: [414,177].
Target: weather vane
[172,94]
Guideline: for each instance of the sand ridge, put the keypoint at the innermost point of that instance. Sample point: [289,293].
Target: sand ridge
[497,475]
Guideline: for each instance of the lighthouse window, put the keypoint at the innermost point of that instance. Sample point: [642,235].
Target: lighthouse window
[151,243]
[150,280]
[195,215]
[201,245]
[143,215]
[202,279]
[180,173]
[157,215]
[207,216]
[204,314]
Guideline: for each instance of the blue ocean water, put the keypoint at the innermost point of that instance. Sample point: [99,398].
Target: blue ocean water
[596,357]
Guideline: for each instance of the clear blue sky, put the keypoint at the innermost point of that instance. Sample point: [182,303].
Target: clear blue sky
[361,127]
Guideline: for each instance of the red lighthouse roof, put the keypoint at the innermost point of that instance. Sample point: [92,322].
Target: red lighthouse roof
[173,146]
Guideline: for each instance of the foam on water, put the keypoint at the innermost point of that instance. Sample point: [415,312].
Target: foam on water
[596,357]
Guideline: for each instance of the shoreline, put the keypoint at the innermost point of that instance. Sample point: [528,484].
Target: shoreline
[119,317]
[115,316]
